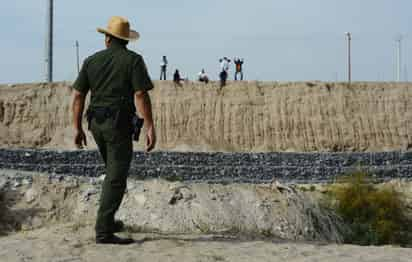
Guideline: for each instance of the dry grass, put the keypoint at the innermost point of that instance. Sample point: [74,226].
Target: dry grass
[376,215]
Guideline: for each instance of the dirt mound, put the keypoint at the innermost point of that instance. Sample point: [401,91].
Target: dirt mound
[241,117]
[54,218]
[277,211]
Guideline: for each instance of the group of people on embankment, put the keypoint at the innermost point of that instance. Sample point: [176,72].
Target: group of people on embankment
[202,76]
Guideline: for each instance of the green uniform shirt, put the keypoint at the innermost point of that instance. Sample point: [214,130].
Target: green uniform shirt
[112,76]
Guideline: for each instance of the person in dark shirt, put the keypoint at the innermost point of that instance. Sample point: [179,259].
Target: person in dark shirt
[177,78]
[238,67]
[163,68]
[118,81]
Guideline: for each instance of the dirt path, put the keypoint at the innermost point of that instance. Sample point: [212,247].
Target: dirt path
[68,243]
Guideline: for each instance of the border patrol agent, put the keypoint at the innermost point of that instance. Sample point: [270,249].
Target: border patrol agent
[118,81]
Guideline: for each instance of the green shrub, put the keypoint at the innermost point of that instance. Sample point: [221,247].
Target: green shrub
[375,215]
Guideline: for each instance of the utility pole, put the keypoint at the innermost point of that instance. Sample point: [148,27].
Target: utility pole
[398,58]
[349,38]
[77,56]
[49,42]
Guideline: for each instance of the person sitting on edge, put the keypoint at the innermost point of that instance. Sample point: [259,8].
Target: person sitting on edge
[177,78]
[203,77]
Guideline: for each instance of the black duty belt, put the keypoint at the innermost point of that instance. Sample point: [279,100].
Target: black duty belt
[100,114]
[128,118]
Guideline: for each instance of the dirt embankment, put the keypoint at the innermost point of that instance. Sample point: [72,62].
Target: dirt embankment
[51,218]
[33,200]
[243,116]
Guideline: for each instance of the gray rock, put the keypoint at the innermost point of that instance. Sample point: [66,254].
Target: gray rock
[89,192]
[219,167]
[176,196]
[3,183]
[187,194]
[27,181]
[30,195]
[93,181]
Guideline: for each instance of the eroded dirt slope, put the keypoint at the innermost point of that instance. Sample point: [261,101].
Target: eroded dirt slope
[243,116]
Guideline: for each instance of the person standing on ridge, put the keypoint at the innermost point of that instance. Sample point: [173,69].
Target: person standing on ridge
[224,70]
[238,67]
[163,68]
[118,81]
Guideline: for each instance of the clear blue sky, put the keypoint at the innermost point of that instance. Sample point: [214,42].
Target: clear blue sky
[279,40]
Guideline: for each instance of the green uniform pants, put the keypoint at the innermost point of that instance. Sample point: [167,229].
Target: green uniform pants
[116,148]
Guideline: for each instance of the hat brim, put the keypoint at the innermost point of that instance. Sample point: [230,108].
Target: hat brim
[133,35]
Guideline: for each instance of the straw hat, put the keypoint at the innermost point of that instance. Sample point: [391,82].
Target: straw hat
[119,27]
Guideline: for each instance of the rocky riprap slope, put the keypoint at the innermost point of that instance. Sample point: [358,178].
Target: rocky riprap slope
[218,167]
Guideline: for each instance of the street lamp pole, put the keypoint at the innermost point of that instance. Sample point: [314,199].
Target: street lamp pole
[349,38]
[77,56]
[399,59]
[49,42]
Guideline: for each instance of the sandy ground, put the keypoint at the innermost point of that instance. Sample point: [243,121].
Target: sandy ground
[52,219]
[67,243]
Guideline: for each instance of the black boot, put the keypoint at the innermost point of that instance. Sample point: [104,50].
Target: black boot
[112,239]
[118,226]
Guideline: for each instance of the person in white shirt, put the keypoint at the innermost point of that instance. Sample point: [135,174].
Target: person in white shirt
[163,67]
[224,69]
[203,77]
[224,64]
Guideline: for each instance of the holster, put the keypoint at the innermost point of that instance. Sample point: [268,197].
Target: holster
[137,124]
[121,119]
[101,114]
